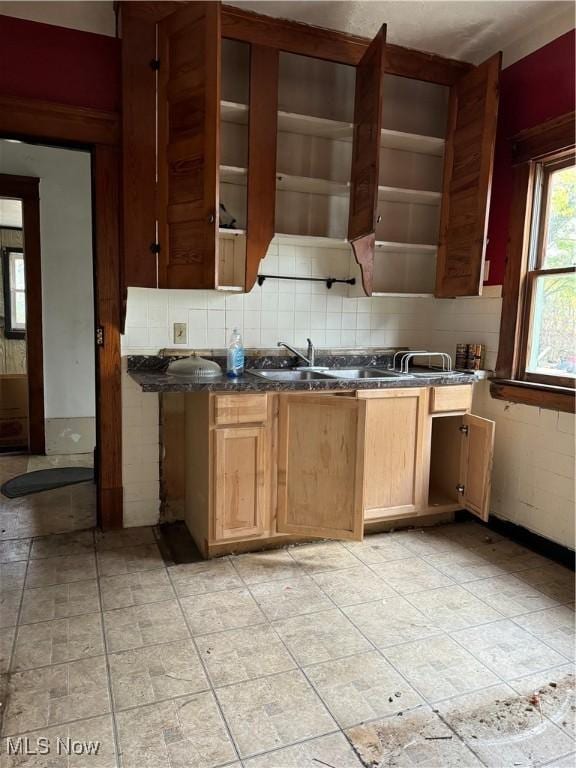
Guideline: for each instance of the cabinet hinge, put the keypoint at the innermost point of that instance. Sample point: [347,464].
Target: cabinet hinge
[460,489]
[99,336]
[464,429]
[155,248]
[155,64]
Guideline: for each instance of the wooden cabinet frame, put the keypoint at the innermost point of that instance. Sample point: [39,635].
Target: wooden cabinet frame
[528,147]
[266,36]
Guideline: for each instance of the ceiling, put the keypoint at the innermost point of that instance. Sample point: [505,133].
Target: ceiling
[458,29]
[10,213]
[462,29]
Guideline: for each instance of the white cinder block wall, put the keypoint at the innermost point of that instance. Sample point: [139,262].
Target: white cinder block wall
[533,478]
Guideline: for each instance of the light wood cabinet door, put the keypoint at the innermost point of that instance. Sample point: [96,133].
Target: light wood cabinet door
[240,487]
[321,466]
[476,465]
[468,162]
[366,157]
[394,452]
[188,146]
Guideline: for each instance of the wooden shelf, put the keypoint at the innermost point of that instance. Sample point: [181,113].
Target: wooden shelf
[402,195]
[319,241]
[309,125]
[412,142]
[401,294]
[225,232]
[232,174]
[233,112]
[311,186]
[390,247]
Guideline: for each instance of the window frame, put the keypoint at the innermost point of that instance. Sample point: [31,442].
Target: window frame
[550,142]
[535,269]
[10,331]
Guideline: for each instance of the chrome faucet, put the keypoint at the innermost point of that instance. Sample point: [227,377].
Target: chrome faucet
[311,353]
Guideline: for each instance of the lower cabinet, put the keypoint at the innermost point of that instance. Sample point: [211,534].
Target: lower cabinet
[321,466]
[240,487]
[395,458]
[315,465]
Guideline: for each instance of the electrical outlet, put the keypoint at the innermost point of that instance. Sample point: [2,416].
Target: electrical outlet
[180,333]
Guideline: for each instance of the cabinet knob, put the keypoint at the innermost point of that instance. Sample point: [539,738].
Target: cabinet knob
[211,219]
[378,219]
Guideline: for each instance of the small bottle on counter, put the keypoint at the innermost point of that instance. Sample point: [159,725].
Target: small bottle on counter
[235,358]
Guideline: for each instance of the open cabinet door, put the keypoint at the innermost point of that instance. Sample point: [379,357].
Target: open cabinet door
[188,146]
[366,157]
[262,135]
[321,466]
[468,162]
[476,465]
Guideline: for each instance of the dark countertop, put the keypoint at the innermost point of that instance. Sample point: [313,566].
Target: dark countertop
[150,374]
[155,381]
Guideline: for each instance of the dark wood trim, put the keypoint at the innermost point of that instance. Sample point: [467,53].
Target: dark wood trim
[26,188]
[549,138]
[49,121]
[552,136]
[262,136]
[528,393]
[419,65]
[138,151]
[64,125]
[516,258]
[106,175]
[363,250]
[308,40]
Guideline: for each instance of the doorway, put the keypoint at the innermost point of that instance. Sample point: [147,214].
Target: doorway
[47,337]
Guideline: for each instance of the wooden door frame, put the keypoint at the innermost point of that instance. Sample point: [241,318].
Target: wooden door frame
[26,189]
[99,132]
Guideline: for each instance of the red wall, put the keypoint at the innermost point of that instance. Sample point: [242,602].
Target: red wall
[539,87]
[41,61]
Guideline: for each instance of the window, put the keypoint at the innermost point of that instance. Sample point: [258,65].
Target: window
[537,350]
[14,293]
[549,328]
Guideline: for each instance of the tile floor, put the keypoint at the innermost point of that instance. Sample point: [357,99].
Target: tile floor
[65,509]
[443,647]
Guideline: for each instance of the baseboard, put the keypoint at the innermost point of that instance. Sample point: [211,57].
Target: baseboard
[539,544]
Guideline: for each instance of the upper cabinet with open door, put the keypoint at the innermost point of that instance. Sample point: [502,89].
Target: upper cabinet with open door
[467,180]
[364,176]
[321,466]
[214,155]
[188,146]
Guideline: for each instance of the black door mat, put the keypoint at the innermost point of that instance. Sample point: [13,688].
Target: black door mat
[46,480]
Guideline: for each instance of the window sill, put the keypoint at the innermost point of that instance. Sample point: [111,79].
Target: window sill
[538,395]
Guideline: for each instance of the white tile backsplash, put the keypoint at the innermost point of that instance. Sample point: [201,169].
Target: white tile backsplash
[533,477]
[279,309]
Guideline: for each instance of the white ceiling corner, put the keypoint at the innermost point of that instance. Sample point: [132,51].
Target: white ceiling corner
[460,29]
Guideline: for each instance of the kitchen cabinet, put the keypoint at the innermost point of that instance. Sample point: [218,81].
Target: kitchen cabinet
[395,452]
[302,133]
[281,467]
[230,467]
[240,481]
[321,466]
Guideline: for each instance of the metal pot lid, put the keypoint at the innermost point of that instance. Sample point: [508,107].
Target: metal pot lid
[195,366]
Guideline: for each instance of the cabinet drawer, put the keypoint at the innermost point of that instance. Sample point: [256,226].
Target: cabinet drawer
[240,409]
[457,398]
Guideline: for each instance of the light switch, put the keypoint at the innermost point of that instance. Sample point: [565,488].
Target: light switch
[180,333]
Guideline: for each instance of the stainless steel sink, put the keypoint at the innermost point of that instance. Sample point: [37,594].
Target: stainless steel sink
[283,374]
[358,374]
